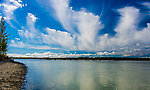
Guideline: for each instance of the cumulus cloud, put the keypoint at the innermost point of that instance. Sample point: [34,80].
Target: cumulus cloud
[127,26]
[83,24]
[58,37]
[127,29]
[30,33]
[143,35]
[86,25]
[106,53]
[31,18]
[127,38]
[31,37]
[82,29]
[30,21]
[60,55]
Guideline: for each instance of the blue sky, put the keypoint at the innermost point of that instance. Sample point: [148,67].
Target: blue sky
[77,27]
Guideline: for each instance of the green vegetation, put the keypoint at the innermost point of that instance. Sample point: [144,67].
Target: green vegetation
[3,40]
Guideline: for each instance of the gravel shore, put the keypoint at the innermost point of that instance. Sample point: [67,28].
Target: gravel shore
[12,75]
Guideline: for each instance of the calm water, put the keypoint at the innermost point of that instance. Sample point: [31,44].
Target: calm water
[86,75]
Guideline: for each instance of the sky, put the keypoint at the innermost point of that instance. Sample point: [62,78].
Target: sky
[75,28]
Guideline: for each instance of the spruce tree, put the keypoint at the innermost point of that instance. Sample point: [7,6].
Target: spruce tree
[3,39]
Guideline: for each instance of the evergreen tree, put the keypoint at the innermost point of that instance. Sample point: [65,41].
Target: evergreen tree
[3,39]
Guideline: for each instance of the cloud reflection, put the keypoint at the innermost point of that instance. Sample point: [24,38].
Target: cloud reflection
[87,75]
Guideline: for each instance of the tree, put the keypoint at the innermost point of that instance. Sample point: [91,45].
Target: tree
[3,39]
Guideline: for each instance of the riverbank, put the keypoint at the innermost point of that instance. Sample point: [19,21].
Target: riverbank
[12,75]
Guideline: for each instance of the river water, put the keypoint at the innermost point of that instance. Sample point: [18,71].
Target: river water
[86,75]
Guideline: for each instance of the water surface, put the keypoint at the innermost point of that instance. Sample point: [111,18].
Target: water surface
[86,75]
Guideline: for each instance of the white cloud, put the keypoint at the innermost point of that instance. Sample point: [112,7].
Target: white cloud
[41,47]
[17,39]
[127,36]
[25,34]
[104,43]
[82,30]
[32,17]
[17,55]
[88,26]
[127,33]
[63,12]
[85,22]
[0,16]
[85,26]
[62,55]
[127,26]
[21,44]
[9,6]
[18,44]
[143,36]
[48,54]
[30,34]
[147,4]
[106,53]
[58,37]
[19,1]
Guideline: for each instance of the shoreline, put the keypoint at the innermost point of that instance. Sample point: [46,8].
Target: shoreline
[90,58]
[12,75]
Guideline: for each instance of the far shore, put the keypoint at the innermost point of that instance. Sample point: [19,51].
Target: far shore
[90,58]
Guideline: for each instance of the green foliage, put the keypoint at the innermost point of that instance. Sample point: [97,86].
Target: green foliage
[3,39]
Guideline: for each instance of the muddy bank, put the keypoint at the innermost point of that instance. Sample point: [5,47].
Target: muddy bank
[12,75]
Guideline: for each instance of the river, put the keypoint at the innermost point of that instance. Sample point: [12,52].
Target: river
[86,75]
